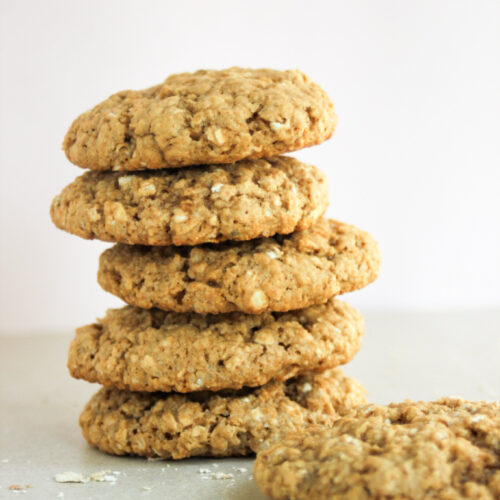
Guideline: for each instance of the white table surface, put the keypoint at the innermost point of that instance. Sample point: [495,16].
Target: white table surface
[418,356]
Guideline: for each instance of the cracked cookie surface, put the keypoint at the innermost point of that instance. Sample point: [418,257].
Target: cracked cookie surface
[228,423]
[200,118]
[281,273]
[240,201]
[154,350]
[448,449]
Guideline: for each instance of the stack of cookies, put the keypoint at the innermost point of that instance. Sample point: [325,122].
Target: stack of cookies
[232,335]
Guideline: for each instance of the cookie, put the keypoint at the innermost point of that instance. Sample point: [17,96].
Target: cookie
[447,449]
[154,350]
[241,201]
[269,274]
[201,118]
[230,423]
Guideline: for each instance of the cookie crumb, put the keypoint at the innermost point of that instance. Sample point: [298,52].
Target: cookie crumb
[70,477]
[106,476]
[16,487]
[222,475]
[103,476]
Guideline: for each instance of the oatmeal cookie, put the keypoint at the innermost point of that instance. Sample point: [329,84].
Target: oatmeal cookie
[241,201]
[154,350]
[268,274]
[228,423]
[448,449]
[201,118]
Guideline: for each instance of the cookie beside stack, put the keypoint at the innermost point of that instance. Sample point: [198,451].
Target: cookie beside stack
[446,449]
[232,336]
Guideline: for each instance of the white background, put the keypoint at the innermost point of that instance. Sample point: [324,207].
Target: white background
[415,159]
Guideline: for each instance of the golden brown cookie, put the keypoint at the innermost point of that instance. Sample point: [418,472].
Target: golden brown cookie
[269,274]
[154,350]
[240,201]
[230,423]
[201,118]
[448,449]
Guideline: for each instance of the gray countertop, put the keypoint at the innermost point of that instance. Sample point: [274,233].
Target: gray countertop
[418,356]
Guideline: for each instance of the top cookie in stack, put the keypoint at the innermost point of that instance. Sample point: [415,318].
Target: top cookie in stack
[202,118]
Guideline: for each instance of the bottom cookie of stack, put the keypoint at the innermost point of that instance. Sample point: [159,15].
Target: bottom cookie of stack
[219,424]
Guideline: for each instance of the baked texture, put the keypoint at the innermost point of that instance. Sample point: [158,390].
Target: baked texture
[448,449]
[154,350]
[241,201]
[203,117]
[281,273]
[171,425]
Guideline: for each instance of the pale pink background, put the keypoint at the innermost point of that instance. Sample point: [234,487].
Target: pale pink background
[415,159]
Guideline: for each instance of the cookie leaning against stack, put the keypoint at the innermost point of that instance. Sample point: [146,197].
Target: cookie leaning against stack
[233,336]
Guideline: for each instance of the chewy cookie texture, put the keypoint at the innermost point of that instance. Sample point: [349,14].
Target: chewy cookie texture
[214,424]
[202,117]
[154,350]
[241,201]
[448,449]
[270,274]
